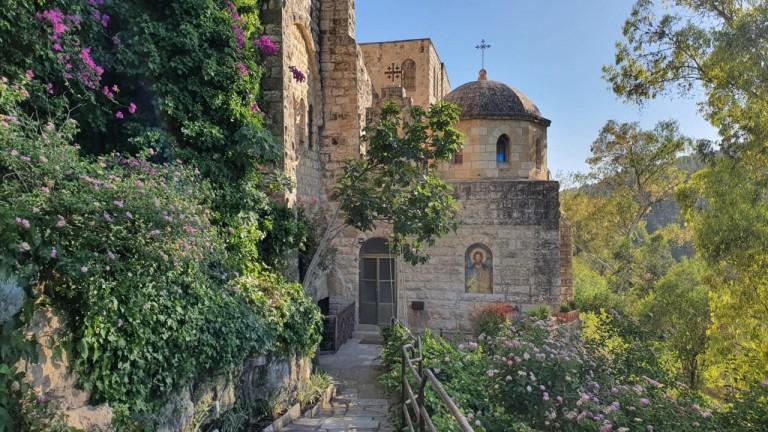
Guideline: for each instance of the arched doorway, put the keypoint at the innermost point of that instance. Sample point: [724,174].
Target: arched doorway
[378,290]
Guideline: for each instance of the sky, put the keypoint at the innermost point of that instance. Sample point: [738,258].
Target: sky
[551,50]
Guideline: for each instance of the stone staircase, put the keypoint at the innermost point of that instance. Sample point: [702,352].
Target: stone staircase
[368,334]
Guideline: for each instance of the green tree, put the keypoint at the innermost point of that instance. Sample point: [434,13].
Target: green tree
[678,308]
[631,170]
[395,183]
[720,47]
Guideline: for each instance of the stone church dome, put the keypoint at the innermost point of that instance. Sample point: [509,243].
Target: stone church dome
[485,99]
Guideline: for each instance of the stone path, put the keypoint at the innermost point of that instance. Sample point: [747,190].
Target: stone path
[360,404]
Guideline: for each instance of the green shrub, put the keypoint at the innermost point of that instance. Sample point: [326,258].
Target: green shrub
[489,320]
[126,249]
[590,290]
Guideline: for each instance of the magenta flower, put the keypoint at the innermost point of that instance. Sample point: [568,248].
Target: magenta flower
[105,20]
[243,69]
[115,88]
[96,15]
[24,247]
[266,45]
[132,108]
[108,93]
[30,74]
[297,74]
[119,115]
[49,88]
[255,108]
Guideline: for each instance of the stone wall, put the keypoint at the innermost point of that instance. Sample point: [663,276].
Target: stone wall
[295,108]
[519,223]
[256,379]
[429,81]
[478,158]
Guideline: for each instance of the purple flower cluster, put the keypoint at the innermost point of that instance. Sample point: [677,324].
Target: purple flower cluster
[266,45]
[236,26]
[298,75]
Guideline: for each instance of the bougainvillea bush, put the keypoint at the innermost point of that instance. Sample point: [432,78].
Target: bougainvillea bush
[181,77]
[539,375]
[125,248]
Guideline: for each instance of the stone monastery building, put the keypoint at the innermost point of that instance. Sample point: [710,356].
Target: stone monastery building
[511,246]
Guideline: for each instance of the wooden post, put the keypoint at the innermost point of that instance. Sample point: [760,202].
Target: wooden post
[422,385]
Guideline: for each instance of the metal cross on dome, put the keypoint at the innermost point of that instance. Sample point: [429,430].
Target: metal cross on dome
[393,72]
[482,47]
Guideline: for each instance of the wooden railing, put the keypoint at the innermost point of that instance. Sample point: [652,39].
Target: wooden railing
[413,402]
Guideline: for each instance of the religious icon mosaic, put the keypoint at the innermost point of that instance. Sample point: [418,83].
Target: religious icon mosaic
[478,270]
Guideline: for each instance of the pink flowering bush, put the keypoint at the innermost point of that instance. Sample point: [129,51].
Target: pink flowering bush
[539,375]
[125,248]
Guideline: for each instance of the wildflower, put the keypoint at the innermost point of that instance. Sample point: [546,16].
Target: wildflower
[105,20]
[614,406]
[644,402]
[108,217]
[545,396]
[116,41]
[297,74]
[118,203]
[30,74]
[266,45]
[57,47]
[255,108]
[24,247]
[54,253]
[132,108]
[528,389]
[107,92]
[119,115]
[22,223]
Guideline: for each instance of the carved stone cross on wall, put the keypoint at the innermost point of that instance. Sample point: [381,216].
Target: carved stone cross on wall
[393,72]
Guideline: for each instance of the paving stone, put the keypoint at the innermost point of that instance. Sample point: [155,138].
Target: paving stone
[360,404]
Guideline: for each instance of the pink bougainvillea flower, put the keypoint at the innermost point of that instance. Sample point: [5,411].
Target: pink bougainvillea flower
[96,15]
[132,108]
[266,45]
[57,47]
[24,247]
[255,108]
[243,69]
[107,92]
[119,115]
[30,74]
[298,75]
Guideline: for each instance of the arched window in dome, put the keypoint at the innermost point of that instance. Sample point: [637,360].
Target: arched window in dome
[502,149]
[409,75]
[539,154]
